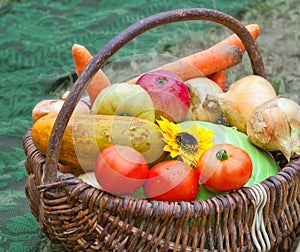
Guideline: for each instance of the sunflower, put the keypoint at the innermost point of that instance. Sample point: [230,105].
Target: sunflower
[188,144]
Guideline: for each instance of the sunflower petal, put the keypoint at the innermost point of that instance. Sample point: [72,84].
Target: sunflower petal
[171,131]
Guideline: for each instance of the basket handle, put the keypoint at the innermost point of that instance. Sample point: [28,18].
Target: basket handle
[52,157]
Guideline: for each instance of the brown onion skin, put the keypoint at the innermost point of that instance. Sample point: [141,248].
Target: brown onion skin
[242,97]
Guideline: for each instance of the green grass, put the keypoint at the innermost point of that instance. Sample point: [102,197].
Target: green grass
[278,43]
[5,2]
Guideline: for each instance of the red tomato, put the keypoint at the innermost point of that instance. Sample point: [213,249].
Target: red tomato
[121,170]
[171,180]
[224,167]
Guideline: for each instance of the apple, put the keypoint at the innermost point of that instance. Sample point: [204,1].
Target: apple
[124,99]
[168,92]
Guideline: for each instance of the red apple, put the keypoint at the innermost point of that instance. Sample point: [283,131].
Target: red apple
[168,92]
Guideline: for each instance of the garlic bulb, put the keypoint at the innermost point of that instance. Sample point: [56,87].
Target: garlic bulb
[275,126]
[242,97]
[204,100]
[291,109]
[46,107]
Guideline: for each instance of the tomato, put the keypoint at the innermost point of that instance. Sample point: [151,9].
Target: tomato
[224,167]
[171,180]
[120,169]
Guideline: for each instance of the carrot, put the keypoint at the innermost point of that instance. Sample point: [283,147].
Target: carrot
[219,78]
[217,58]
[235,40]
[81,57]
[203,63]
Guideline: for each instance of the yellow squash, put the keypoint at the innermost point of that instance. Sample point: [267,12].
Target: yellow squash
[86,135]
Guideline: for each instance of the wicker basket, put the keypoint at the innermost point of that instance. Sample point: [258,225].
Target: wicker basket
[78,217]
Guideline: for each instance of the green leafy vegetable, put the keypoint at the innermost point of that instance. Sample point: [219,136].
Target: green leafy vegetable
[263,162]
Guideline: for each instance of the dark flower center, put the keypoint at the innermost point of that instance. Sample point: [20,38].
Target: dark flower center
[187,142]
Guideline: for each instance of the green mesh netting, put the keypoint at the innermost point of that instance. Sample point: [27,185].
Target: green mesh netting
[35,58]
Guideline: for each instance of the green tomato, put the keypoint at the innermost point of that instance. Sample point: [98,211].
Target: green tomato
[125,99]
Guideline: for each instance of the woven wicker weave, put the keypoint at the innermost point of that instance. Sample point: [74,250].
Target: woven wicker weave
[79,217]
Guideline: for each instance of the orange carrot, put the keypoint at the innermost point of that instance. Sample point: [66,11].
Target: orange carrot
[219,78]
[235,40]
[82,57]
[204,63]
[217,58]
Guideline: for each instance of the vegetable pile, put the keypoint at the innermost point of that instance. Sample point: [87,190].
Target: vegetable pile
[158,136]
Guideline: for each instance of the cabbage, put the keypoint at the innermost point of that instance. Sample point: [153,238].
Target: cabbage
[264,165]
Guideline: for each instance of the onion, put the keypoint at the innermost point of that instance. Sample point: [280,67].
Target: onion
[204,100]
[275,126]
[242,97]
[46,107]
